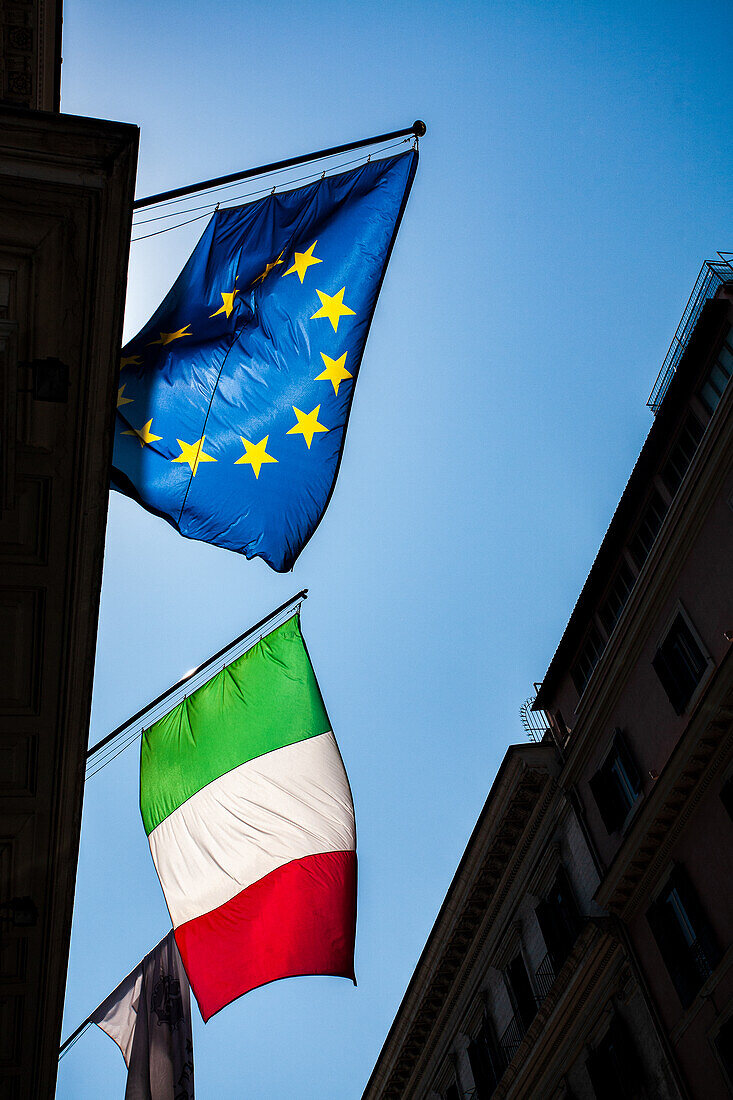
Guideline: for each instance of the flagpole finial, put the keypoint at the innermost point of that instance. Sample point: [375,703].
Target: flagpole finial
[419,128]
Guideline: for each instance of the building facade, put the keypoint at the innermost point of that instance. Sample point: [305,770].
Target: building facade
[584,948]
[66,192]
[640,696]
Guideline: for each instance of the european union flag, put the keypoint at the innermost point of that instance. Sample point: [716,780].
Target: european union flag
[234,398]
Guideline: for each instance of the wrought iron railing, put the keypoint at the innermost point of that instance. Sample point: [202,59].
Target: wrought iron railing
[544,977]
[512,1037]
[534,721]
[713,274]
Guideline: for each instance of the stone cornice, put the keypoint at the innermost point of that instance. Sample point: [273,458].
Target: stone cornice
[513,814]
[706,338]
[70,146]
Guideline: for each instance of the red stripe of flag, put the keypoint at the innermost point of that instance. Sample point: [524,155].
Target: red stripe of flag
[299,919]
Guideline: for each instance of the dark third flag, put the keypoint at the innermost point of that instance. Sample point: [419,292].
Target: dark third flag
[149,1017]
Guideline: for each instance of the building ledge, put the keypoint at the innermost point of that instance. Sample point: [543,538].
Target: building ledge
[516,806]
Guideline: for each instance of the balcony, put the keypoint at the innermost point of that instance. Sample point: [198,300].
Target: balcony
[712,276]
[512,1038]
[544,976]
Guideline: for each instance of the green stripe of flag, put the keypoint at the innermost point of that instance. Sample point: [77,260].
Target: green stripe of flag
[264,700]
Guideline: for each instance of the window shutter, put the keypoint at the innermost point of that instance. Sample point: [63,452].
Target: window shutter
[615,1068]
[698,917]
[484,1077]
[668,680]
[607,799]
[568,908]
[597,1071]
[547,919]
[625,1057]
[559,919]
[521,991]
[627,759]
[679,664]
[673,949]
[495,1054]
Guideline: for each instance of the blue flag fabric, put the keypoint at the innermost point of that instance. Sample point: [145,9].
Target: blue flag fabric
[233,400]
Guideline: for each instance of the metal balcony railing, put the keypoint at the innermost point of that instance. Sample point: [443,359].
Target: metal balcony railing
[544,977]
[712,276]
[535,722]
[512,1037]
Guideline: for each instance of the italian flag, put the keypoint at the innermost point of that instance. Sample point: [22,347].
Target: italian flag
[250,821]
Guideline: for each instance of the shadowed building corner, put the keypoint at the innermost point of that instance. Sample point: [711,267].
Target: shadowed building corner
[584,950]
[66,193]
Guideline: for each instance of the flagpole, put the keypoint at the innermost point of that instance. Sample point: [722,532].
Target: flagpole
[298,598]
[90,1018]
[75,1034]
[418,129]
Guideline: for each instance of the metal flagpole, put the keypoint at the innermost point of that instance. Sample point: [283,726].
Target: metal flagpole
[418,128]
[75,1034]
[298,598]
[90,1018]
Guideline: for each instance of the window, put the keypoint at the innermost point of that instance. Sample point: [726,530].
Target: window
[559,920]
[684,937]
[520,992]
[615,601]
[718,376]
[616,785]
[682,454]
[614,1067]
[648,529]
[562,730]
[679,663]
[589,657]
[487,1061]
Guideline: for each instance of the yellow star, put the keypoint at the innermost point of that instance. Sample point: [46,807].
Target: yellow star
[227,298]
[169,337]
[130,361]
[268,269]
[303,260]
[335,371]
[144,434]
[332,306]
[193,453]
[255,454]
[122,400]
[307,425]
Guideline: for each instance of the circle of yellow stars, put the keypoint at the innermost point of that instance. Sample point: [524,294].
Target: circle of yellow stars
[332,308]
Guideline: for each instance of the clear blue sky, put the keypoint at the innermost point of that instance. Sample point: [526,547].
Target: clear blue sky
[575,174]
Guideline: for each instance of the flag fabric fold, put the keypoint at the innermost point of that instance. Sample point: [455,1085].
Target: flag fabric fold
[148,1015]
[250,821]
[233,400]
